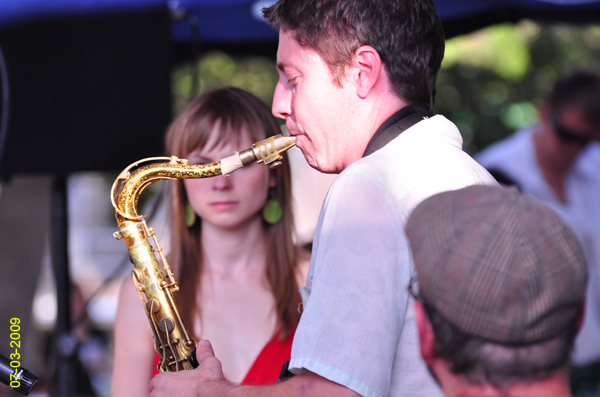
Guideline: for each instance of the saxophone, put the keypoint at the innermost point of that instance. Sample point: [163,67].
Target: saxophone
[172,341]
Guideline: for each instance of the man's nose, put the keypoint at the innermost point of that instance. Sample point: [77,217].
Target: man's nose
[282,102]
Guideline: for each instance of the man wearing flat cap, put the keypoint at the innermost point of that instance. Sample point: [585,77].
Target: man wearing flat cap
[500,287]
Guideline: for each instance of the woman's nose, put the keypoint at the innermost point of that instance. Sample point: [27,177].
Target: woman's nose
[222,182]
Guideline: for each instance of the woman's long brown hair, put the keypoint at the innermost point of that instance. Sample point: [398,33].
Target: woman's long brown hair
[232,110]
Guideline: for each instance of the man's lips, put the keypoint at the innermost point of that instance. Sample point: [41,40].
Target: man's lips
[291,129]
[300,140]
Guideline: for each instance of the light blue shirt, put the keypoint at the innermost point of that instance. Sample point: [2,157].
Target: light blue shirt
[358,327]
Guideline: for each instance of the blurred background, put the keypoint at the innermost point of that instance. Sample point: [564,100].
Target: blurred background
[88,90]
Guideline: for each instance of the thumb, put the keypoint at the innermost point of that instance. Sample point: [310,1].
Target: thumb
[204,350]
[207,362]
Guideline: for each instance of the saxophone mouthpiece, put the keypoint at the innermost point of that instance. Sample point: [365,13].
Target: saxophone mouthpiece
[267,151]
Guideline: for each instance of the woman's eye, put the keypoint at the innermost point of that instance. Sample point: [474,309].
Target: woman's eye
[193,160]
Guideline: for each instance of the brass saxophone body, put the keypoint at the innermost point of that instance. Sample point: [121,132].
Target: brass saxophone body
[172,340]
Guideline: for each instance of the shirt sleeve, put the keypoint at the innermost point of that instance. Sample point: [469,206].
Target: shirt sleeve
[355,300]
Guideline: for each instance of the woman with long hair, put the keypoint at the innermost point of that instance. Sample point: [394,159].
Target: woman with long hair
[232,249]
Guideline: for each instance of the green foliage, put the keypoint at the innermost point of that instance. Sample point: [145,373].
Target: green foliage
[494,80]
[502,49]
[255,74]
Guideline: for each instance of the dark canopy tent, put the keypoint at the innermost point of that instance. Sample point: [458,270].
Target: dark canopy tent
[94,74]
[238,24]
[85,83]
[240,21]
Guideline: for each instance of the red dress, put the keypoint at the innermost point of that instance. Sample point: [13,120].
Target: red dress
[267,366]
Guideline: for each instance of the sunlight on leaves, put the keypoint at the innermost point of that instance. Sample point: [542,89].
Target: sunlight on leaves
[519,114]
[503,49]
[215,69]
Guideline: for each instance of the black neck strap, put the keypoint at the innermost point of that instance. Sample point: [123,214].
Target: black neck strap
[400,121]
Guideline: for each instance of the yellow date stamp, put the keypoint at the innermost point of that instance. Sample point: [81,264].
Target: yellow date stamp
[15,343]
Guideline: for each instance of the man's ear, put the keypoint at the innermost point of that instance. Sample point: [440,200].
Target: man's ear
[367,64]
[426,335]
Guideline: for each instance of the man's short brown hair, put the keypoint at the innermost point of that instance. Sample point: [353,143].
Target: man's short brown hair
[407,34]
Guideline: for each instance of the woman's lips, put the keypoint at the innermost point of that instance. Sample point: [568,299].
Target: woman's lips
[224,205]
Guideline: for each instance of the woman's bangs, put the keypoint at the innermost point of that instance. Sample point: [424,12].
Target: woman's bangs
[234,129]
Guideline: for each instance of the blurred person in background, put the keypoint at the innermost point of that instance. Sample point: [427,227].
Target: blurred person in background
[500,288]
[231,249]
[557,160]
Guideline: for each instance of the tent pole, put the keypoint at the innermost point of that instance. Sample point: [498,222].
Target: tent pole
[66,346]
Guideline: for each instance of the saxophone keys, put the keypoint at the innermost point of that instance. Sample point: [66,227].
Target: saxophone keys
[166,324]
[137,275]
[153,306]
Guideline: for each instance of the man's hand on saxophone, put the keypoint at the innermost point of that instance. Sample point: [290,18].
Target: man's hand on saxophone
[206,380]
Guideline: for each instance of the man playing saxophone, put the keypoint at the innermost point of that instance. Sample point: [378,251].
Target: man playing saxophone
[356,88]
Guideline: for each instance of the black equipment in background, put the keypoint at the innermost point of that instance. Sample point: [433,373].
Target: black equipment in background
[22,376]
[86,92]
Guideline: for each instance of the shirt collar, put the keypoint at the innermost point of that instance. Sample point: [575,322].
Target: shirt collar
[385,133]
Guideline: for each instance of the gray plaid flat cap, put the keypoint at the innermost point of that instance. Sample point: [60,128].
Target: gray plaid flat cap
[497,264]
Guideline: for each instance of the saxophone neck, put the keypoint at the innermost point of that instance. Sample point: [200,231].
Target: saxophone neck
[136,177]
[268,151]
[130,183]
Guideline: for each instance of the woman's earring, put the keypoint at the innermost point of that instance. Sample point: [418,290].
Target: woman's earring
[272,211]
[190,215]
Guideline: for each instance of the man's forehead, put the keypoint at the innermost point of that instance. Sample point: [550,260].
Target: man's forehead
[293,56]
[286,50]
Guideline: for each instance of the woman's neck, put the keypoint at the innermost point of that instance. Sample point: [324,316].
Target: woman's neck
[229,251]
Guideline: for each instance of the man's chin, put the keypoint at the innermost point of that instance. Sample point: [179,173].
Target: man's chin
[317,166]
[309,159]
[323,167]
[313,163]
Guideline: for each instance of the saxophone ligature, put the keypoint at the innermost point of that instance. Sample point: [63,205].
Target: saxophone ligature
[172,340]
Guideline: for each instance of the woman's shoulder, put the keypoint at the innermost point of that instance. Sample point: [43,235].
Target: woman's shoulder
[130,310]
[127,292]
